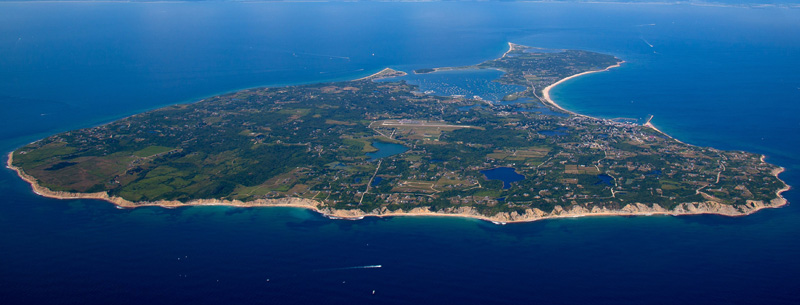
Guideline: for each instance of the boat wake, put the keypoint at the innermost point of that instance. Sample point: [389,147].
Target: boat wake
[351,268]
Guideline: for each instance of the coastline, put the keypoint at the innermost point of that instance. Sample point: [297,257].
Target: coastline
[530,215]
[549,101]
[385,73]
[546,91]
[650,125]
[511,47]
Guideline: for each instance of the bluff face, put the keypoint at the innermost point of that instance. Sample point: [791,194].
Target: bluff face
[305,146]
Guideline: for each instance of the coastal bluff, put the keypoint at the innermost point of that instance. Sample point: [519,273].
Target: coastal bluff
[635,209]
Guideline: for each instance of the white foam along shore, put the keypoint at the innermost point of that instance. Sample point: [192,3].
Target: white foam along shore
[632,209]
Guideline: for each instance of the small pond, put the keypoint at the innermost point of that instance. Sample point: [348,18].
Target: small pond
[505,174]
[386,150]
[605,179]
[375,181]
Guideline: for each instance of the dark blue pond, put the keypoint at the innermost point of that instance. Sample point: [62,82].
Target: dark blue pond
[386,150]
[505,174]
[375,181]
[605,179]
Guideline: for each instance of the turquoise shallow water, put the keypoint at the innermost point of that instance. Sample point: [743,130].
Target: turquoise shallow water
[714,76]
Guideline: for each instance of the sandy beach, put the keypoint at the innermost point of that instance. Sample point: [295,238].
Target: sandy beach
[546,91]
[548,100]
[649,124]
[385,73]
[511,46]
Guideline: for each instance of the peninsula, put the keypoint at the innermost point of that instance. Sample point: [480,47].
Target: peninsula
[382,148]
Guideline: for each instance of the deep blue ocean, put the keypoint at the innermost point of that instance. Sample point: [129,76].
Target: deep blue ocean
[711,76]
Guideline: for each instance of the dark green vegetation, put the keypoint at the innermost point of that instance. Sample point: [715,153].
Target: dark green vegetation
[310,141]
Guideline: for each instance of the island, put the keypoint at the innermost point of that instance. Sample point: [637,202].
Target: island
[377,146]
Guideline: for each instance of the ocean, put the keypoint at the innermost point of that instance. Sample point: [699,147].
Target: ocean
[712,76]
